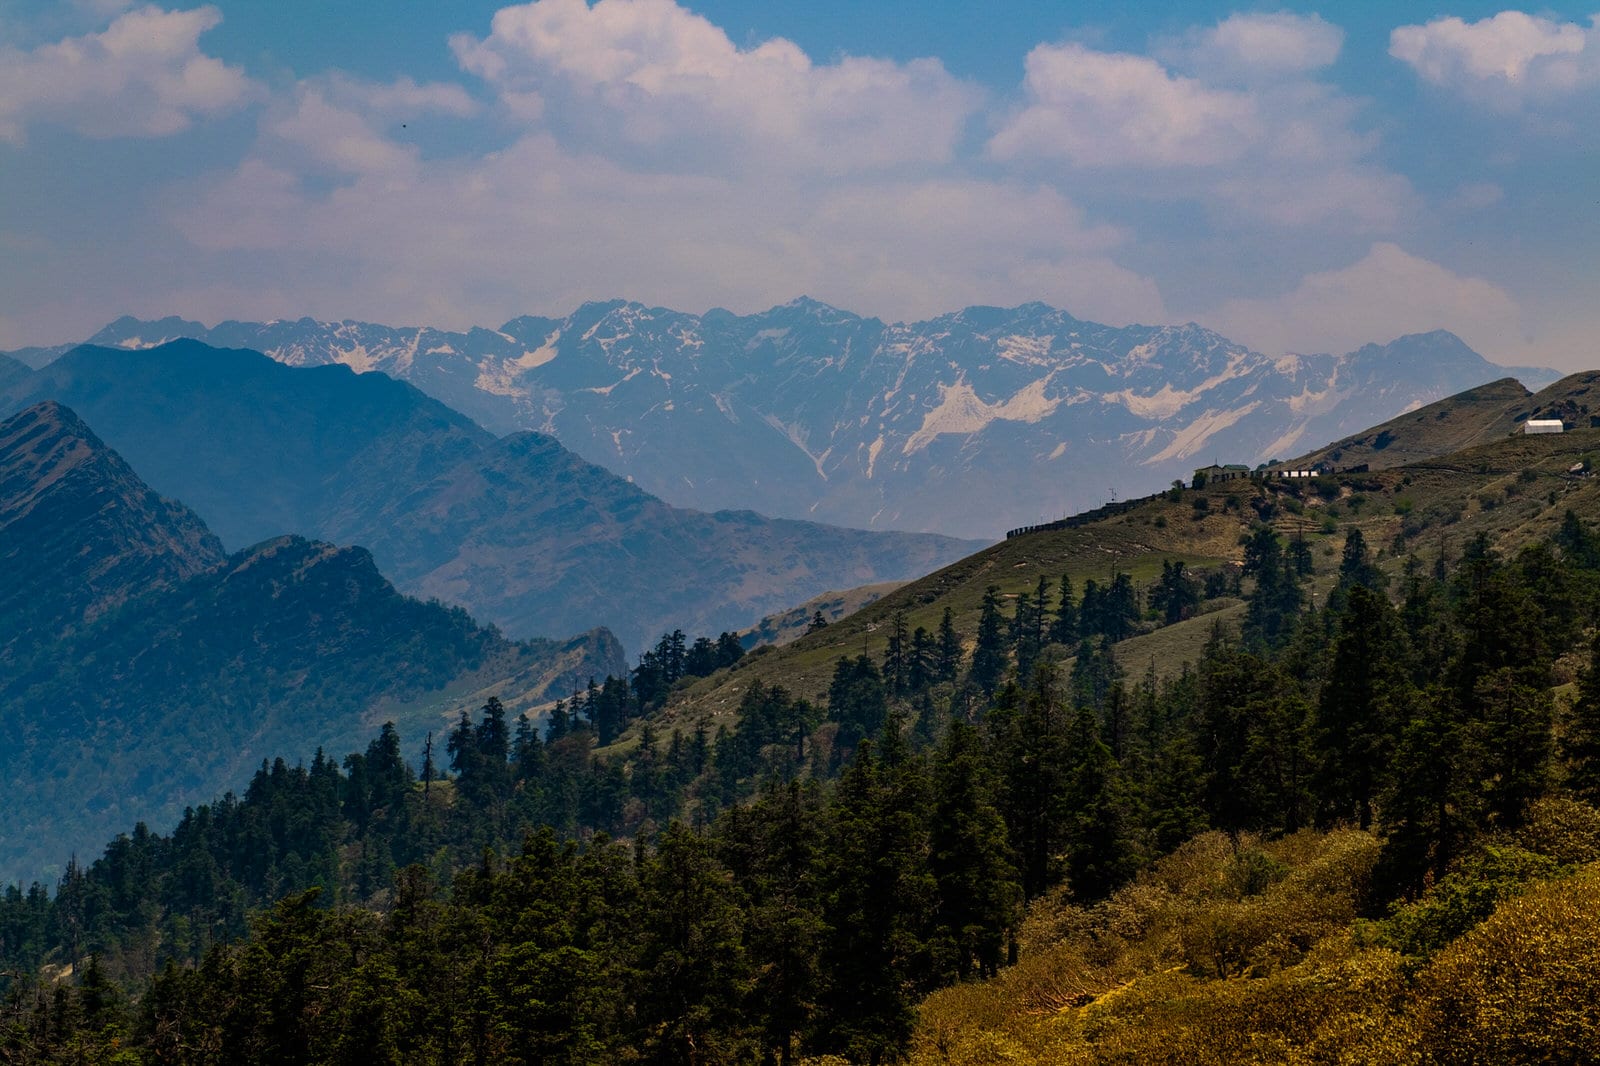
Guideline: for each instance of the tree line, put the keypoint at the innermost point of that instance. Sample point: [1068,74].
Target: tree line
[794,882]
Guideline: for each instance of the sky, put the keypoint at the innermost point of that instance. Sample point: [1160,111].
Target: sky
[1300,178]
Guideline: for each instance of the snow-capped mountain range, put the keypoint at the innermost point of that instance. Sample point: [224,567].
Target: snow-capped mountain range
[966,424]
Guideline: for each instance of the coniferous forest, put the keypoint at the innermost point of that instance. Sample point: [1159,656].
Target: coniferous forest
[1353,830]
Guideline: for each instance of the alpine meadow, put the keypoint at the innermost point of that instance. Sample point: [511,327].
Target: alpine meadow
[700,533]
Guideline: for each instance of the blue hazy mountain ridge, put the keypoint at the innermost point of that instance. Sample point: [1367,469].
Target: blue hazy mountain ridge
[11,370]
[61,492]
[144,670]
[807,411]
[518,530]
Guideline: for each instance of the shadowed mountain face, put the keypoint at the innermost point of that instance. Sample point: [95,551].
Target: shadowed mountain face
[61,492]
[144,670]
[519,530]
[11,370]
[806,411]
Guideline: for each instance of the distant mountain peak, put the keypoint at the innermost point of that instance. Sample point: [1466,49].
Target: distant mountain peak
[130,332]
[519,529]
[808,411]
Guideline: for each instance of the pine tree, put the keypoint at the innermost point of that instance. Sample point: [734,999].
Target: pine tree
[1091,611]
[492,750]
[897,656]
[560,722]
[1023,628]
[1064,627]
[462,746]
[857,700]
[880,900]
[701,658]
[979,894]
[920,661]
[1361,708]
[1275,603]
[1099,848]
[1176,595]
[693,972]
[1510,742]
[1029,748]
[1578,543]
[989,656]
[949,649]
[729,649]
[1119,609]
[429,771]
[1356,568]
[775,849]
[1580,745]
[389,776]
[527,751]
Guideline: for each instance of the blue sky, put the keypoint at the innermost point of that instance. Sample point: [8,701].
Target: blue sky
[1302,178]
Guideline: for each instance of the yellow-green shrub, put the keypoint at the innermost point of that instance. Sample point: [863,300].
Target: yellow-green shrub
[1524,986]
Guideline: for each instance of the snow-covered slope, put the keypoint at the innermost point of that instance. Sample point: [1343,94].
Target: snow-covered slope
[965,424]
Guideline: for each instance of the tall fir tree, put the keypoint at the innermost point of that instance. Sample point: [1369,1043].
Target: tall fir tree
[989,655]
[979,894]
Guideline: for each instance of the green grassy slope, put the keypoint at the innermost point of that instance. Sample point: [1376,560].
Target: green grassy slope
[1478,416]
[1514,489]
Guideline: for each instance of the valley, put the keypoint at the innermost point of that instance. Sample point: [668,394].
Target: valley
[1161,759]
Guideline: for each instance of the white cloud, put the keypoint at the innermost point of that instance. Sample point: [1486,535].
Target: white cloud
[1256,141]
[538,227]
[1386,294]
[1252,47]
[1101,109]
[1504,58]
[855,202]
[671,87]
[143,76]
[339,123]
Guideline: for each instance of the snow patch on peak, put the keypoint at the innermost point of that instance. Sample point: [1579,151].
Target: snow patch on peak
[799,438]
[872,458]
[1189,440]
[960,411]
[1028,350]
[1309,402]
[605,390]
[356,358]
[540,355]
[1162,404]
[1141,353]
[1284,445]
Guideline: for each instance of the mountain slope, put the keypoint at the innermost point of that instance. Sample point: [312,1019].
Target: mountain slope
[1476,416]
[520,531]
[808,411]
[176,670]
[60,490]
[1515,489]
[11,370]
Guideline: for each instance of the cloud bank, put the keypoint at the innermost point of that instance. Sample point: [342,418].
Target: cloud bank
[633,148]
[144,75]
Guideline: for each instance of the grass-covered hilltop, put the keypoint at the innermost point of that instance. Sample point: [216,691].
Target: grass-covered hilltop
[1270,770]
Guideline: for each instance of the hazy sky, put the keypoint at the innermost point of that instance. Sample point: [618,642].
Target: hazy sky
[1302,179]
